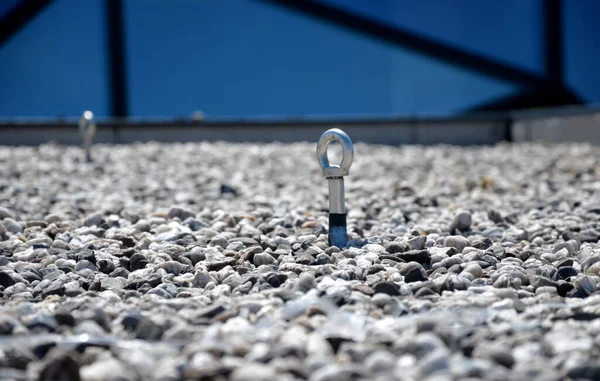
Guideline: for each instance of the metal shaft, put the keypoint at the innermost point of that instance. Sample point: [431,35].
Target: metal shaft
[337,213]
[88,155]
[336,195]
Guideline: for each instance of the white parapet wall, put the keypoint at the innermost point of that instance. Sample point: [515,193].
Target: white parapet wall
[393,132]
[550,125]
[574,126]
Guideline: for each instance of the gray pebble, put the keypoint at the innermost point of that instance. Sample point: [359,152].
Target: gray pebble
[146,329]
[456,282]
[108,368]
[5,213]
[418,242]
[180,213]
[113,283]
[261,259]
[85,264]
[495,216]
[413,272]
[94,219]
[254,372]
[474,269]
[456,241]
[397,247]
[12,226]
[546,290]
[388,288]
[539,241]
[306,282]
[461,222]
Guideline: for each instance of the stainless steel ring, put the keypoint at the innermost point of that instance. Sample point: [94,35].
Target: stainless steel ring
[333,170]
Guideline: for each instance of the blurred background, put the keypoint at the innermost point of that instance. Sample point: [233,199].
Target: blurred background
[332,60]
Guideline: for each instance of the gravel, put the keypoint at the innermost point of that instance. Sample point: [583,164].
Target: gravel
[210,262]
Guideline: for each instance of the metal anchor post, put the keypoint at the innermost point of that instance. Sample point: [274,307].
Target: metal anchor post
[87,130]
[338,236]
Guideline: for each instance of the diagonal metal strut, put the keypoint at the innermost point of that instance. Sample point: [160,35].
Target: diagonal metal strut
[406,39]
[19,16]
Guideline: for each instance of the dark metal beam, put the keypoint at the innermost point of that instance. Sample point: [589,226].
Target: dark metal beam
[540,97]
[554,92]
[19,16]
[116,58]
[404,38]
[553,40]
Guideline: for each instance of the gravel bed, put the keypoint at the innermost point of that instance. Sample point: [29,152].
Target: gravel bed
[210,261]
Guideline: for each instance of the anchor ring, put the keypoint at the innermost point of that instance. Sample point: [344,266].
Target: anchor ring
[86,124]
[333,170]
